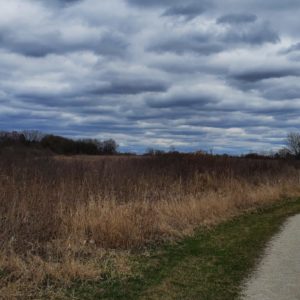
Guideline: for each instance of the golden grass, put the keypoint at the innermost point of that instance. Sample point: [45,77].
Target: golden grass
[70,219]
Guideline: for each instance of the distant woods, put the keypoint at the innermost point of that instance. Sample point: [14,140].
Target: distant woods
[57,144]
[36,140]
[290,151]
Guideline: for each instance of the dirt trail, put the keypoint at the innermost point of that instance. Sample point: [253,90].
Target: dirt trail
[278,275]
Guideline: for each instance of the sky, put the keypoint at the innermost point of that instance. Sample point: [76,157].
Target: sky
[219,75]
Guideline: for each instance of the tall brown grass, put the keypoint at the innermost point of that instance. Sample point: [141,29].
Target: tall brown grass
[63,219]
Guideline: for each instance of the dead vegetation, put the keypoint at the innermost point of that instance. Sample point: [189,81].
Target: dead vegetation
[78,218]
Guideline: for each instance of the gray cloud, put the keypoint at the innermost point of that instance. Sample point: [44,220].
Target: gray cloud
[207,43]
[151,3]
[41,44]
[60,3]
[193,43]
[183,101]
[188,10]
[131,87]
[293,48]
[193,74]
[282,93]
[237,18]
[264,74]
[253,35]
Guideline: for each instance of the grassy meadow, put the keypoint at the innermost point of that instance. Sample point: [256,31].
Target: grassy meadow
[82,218]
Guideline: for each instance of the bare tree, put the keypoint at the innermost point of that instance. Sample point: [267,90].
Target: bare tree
[110,147]
[293,143]
[284,153]
[33,135]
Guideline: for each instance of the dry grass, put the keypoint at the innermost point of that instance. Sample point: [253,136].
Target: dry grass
[78,218]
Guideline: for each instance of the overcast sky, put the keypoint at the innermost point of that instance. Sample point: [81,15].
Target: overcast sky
[193,74]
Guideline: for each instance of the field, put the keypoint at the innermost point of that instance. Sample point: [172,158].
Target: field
[70,219]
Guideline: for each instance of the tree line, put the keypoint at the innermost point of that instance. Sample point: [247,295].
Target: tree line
[58,144]
[290,151]
[62,145]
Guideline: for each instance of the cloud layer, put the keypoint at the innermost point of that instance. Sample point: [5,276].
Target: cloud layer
[193,74]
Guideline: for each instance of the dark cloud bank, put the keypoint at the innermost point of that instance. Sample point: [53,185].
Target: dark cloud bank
[189,74]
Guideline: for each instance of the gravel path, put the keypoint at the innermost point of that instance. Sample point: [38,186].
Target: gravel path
[278,275]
